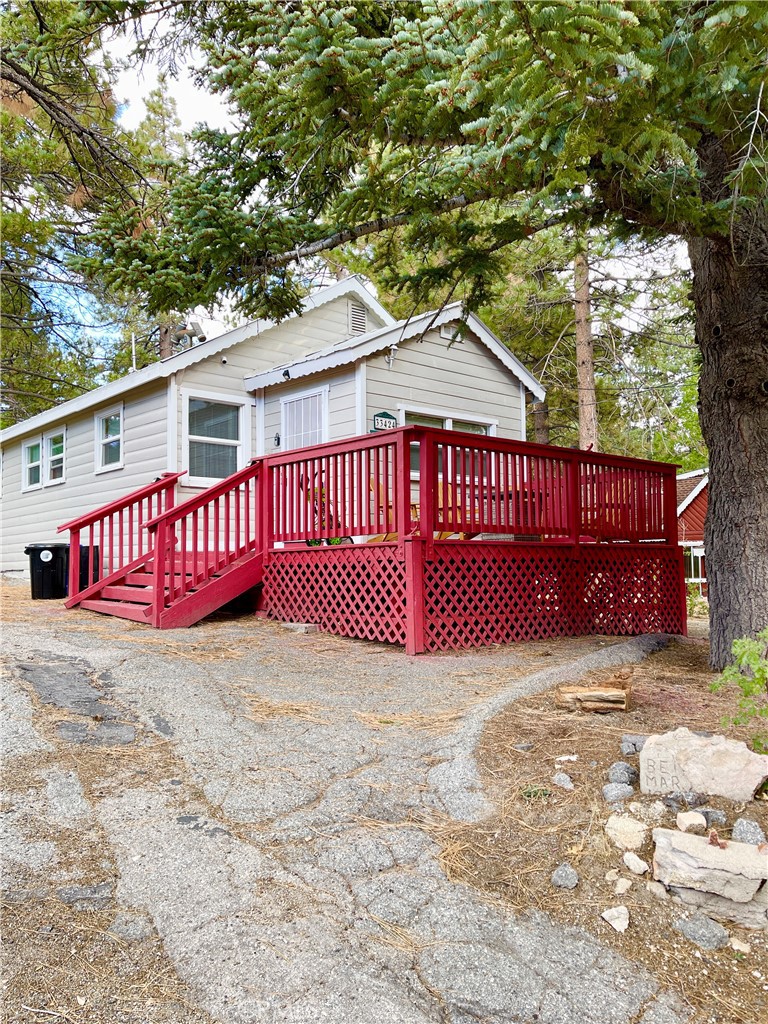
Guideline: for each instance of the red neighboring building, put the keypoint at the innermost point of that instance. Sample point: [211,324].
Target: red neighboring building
[691,511]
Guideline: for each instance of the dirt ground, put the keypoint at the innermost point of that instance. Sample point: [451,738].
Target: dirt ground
[511,856]
[62,951]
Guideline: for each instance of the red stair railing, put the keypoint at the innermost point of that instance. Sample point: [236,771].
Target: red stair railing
[201,537]
[117,536]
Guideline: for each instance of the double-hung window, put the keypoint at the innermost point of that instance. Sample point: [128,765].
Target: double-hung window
[54,449]
[33,465]
[43,460]
[109,440]
[216,437]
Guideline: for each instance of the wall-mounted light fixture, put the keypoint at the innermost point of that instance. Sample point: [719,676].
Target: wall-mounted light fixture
[286,374]
[390,359]
[276,439]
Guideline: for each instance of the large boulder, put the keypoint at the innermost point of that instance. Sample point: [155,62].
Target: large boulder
[682,761]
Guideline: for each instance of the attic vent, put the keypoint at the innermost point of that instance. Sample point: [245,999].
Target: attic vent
[450,332]
[358,318]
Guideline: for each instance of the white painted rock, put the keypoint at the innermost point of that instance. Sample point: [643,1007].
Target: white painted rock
[625,832]
[681,762]
[623,885]
[636,864]
[692,821]
[617,918]
[680,859]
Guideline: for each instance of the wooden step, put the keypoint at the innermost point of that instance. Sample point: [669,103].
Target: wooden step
[123,610]
[136,595]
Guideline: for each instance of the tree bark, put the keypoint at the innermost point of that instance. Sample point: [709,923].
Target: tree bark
[540,412]
[585,355]
[731,297]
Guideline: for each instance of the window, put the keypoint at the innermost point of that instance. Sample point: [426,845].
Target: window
[109,440]
[215,436]
[440,422]
[54,449]
[33,465]
[305,419]
[43,460]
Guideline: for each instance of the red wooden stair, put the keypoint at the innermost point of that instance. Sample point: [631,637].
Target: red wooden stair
[164,564]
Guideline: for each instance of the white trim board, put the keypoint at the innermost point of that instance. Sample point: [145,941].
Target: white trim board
[107,393]
[694,493]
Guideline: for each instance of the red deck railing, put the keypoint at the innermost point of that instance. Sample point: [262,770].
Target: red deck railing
[421,482]
[204,535]
[116,536]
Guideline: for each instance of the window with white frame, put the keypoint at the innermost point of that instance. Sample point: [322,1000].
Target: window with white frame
[305,419]
[441,422]
[54,449]
[109,440]
[32,465]
[214,437]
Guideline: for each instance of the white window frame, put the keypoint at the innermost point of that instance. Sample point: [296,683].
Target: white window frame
[448,419]
[243,445]
[295,396]
[48,458]
[26,464]
[100,442]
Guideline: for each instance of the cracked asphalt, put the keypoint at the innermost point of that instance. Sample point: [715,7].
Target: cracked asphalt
[258,801]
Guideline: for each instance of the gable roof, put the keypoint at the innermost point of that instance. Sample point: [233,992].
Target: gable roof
[363,345]
[349,286]
[689,487]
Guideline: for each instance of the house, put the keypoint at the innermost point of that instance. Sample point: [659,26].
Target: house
[691,511]
[342,367]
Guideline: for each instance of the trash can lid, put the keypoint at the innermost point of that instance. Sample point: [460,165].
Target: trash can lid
[39,546]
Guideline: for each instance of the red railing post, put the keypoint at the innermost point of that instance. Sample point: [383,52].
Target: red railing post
[427,492]
[159,571]
[265,484]
[401,499]
[73,585]
[414,558]
[574,498]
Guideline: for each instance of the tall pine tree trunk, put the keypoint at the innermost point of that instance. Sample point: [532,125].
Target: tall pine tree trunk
[585,354]
[731,297]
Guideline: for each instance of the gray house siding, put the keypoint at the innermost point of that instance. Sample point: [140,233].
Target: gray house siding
[31,516]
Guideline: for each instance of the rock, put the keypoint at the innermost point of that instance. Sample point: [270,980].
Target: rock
[625,832]
[692,821]
[678,761]
[636,864]
[622,885]
[86,897]
[631,744]
[620,771]
[523,747]
[657,890]
[567,757]
[562,780]
[739,946]
[648,812]
[617,918]
[612,875]
[615,792]
[300,627]
[735,872]
[703,931]
[713,816]
[565,877]
[747,831]
[749,915]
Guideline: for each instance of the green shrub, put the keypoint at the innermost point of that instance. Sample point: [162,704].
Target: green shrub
[750,674]
[697,605]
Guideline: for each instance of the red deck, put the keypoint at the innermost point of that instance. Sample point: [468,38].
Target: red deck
[433,539]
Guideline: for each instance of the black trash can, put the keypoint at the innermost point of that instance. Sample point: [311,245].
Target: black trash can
[84,581]
[48,565]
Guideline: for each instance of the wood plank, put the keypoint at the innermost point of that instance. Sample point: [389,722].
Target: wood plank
[598,698]
[137,595]
[138,613]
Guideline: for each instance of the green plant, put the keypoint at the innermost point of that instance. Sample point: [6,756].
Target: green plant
[695,602]
[750,674]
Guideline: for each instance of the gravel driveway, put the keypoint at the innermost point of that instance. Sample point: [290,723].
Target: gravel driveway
[259,802]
